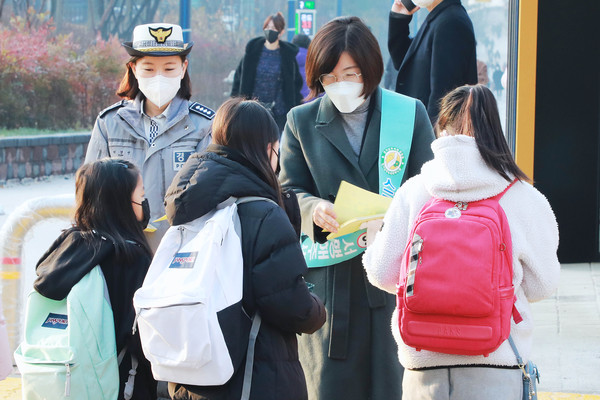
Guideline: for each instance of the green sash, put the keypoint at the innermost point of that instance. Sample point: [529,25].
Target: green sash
[395,139]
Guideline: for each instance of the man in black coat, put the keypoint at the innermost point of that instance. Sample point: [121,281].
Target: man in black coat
[441,57]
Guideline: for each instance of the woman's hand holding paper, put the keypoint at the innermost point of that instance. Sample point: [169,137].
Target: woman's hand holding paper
[324,217]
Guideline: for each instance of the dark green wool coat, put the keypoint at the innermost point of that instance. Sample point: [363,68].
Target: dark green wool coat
[354,355]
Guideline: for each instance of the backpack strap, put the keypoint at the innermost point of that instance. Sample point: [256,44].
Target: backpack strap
[499,195]
[128,391]
[256,321]
[248,199]
[515,313]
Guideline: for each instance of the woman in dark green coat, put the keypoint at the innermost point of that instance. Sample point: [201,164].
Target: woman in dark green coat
[334,138]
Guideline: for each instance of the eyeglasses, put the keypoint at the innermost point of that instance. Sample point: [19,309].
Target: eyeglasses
[328,79]
[140,203]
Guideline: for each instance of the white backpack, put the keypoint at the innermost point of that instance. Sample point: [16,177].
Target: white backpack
[196,272]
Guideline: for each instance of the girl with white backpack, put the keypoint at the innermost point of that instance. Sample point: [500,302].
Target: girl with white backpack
[241,162]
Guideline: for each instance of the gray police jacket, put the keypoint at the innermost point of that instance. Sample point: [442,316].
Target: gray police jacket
[119,132]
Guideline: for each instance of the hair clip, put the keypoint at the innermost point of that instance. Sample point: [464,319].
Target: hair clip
[121,164]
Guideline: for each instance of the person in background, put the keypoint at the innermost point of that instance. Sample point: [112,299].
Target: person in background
[111,211]
[439,58]
[472,162]
[482,73]
[337,138]
[268,72]
[241,162]
[155,126]
[302,41]
[497,80]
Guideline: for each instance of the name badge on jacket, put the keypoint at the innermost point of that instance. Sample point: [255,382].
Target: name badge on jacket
[179,158]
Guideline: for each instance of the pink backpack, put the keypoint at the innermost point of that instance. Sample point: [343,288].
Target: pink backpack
[455,293]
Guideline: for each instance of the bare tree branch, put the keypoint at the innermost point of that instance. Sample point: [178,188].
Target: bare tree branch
[107,11]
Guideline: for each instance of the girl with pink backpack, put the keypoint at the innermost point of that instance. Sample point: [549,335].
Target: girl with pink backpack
[472,162]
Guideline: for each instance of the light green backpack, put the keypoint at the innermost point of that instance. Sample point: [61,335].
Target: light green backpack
[69,349]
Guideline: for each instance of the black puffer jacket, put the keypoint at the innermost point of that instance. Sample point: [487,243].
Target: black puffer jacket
[273,273]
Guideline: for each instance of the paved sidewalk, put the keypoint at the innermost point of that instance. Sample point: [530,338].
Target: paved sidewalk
[567,333]
[567,339]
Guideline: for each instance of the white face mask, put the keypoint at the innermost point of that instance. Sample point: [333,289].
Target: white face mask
[345,96]
[423,3]
[159,89]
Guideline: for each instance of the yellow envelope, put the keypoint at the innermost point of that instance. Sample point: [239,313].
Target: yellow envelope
[354,205]
[151,228]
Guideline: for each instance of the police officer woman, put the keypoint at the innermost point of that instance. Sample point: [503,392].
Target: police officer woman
[154,126]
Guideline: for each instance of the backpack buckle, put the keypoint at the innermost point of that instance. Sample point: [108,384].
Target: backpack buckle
[461,205]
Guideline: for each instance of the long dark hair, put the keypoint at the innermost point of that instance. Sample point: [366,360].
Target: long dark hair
[129,88]
[103,191]
[472,110]
[246,126]
[343,34]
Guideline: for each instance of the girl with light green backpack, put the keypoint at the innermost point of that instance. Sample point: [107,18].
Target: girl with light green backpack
[78,342]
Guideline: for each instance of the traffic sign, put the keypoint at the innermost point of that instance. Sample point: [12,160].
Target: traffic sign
[305,22]
[306,5]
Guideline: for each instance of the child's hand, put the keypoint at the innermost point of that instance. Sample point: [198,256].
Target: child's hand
[373,227]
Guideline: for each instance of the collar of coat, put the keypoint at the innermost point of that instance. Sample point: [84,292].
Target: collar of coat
[440,8]
[329,124]
[178,109]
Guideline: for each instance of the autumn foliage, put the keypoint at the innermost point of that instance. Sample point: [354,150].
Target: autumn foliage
[48,82]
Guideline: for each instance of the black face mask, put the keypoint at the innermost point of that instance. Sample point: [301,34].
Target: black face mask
[145,213]
[271,35]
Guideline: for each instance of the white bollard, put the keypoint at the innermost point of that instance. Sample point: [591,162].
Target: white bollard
[12,235]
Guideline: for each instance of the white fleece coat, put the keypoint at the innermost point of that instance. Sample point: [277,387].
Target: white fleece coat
[458,173]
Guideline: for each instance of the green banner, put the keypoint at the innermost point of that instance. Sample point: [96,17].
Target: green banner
[397,125]
[334,251]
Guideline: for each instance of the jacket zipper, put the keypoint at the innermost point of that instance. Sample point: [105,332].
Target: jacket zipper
[68,380]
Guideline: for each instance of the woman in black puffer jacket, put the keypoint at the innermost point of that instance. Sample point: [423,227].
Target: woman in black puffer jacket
[241,162]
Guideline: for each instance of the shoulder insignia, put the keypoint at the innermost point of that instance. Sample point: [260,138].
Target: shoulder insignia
[202,110]
[114,106]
